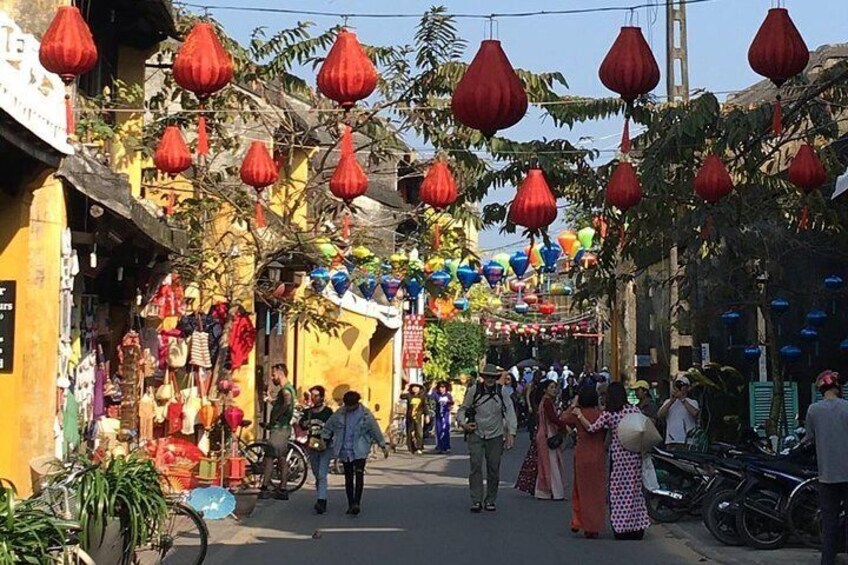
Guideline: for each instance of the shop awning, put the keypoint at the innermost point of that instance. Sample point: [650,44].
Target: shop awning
[106,187]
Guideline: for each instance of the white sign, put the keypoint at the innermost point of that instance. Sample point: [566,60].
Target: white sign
[705,353]
[32,96]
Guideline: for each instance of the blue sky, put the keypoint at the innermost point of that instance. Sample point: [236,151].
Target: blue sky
[720,32]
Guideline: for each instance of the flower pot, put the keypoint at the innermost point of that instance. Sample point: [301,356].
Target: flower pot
[106,547]
[245,502]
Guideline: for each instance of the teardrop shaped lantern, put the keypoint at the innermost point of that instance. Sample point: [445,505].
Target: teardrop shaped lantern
[778,53]
[624,190]
[349,180]
[368,286]
[519,261]
[204,67]
[439,191]
[631,70]
[439,281]
[490,96]
[713,182]
[494,273]
[390,285]
[259,171]
[340,281]
[172,157]
[319,278]
[68,50]
[550,253]
[534,206]
[806,170]
[347,75]
[467,276]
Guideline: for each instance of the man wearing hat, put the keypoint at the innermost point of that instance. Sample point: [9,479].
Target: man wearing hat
[646,401]
[488,418]
[679,412]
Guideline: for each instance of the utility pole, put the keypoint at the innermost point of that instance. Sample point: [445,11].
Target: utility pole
[677,85]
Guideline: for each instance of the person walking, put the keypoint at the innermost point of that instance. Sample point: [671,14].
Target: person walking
[314,419]
[444,402]
[352,430]
[679,412]
[550,478]
[488,419]
[628,513]
[416,411]
[532,396]
[279,426]
[588,491]
[827,427]
[646,402]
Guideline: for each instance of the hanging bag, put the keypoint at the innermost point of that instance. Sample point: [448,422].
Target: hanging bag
[200,355]
[177,352]
[175,410]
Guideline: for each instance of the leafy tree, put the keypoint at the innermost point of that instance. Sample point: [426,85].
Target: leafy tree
[452,349]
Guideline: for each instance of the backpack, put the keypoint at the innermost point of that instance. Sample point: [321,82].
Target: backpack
[480,391]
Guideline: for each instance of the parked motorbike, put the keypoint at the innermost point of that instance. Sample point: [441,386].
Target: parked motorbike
[685,479]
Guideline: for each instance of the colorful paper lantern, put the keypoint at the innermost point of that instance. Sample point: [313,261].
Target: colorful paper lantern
[550,253]
[347,75]
[349,180]
[809,334]
[440,281]
[833,282]
[340,281]
[519,261]
[531,299]
[534,206]
[438,189]
[233,416]
[779,306]
[413,287]
[816,318]
[546,309]
[494,273]
[461,304]
[731,318]
[207,415]
[752,353]
[566,241]
[623,190]
[790,353]
[586,237]
[390,285]
[806,170]
[503,260]
[368,286]
[468,276]
[490,96]
[259,171]
[713,182]
[172,155]
[319,279]
[521,308]
[517,285]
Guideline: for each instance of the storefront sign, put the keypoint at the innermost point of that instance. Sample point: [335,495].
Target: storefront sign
[413,341]
[7,325]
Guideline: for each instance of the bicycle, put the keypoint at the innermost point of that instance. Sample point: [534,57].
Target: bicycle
[254,454]
[182,538]
[397,431]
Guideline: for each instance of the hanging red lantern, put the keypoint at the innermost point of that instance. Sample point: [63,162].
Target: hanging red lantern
[233,416]
[546,309]
[349,180]
[490,96]
[713,182]
[806,170]
[439,191]
[204,67]
[630,70]
[534,206]
[347,75]
[623,190]
[172,157]
[68,50]
[259,171]
[778,53]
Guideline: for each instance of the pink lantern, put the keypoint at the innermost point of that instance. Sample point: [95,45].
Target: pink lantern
[235,390]
[224,385]
[234,416]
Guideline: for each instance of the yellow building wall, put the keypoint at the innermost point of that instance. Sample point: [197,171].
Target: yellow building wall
[287,197]
[31,225]
[125,159]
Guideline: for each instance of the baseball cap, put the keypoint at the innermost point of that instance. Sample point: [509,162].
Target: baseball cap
[641,384]
[683,379]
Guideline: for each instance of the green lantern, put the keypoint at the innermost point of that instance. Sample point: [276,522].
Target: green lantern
[586,236]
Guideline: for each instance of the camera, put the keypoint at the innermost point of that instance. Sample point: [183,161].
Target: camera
[470,415]
[678,385]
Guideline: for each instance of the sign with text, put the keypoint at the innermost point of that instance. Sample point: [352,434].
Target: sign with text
[413,341]
[7,325]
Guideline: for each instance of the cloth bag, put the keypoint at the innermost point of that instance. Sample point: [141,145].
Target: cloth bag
[177,352]
[637,433]
[199,350]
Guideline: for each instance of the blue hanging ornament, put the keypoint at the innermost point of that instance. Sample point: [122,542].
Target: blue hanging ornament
[731,318]
[319,278]
[340,281]
[752,353]
[579,256]
[386,267]
[816,318]
[519,261]
[368,286]
[779,306]
[521,308]
[790,353]
[833,282]
[461,304]
[468,276]
[440,281]
[390,285]
[809,334]
[494,273]
[843,346]
[567,290]
[413,287]
[550,255]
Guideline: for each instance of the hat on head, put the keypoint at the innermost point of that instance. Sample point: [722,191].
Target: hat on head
[491,370]
[641,384]
[683,379]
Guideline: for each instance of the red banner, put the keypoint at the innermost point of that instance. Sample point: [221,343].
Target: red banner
[413,341]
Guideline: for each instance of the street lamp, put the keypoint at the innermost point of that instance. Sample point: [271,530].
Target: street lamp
[275,271]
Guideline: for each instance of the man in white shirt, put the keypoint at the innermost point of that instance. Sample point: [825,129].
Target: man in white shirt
[552,374]
[680,412]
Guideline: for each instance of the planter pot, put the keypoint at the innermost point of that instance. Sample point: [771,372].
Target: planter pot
[106,547]
[245,502]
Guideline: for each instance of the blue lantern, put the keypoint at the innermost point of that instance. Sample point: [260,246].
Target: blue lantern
[368,286]
[319,278]
[390,285]
[731,318]
[809,334]
[468,276]
[816,318]
[494,273]
[567,290]
[461,304]
[779,306]
[833,282]
[752,353]
[440,281]
[521,308]
[843,346]
[340,281]
[579,256]
[519,261]
[790,353]
[413,287]
[550,255]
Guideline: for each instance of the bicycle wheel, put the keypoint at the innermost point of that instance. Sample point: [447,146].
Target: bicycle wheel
[298,468]
[805,515]
[755,521]
[720,517]
[183,537]
[255,456]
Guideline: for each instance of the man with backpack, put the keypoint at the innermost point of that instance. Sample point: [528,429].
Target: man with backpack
[488,418]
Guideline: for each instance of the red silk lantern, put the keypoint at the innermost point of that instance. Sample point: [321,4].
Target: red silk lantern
[259,170]
[778,53]
[546,309]
[68,50]
[490,96]
[630,70]
[204,67]
[623,190]
[713,182]
[172,157]
[534,206]
[806,170]
[347,75]
[233,416]
[439,191]
[349,180]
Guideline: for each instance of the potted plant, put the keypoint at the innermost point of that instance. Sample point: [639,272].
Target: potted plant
[28,533]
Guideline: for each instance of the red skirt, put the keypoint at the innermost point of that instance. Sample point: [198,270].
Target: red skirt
[526,481]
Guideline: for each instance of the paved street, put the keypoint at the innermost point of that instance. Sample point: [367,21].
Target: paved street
[415,511]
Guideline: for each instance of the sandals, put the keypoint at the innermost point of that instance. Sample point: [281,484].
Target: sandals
[476,507]
[490,507]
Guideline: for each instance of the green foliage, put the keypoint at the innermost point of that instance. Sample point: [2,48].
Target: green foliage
[453,348]
[27,530]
